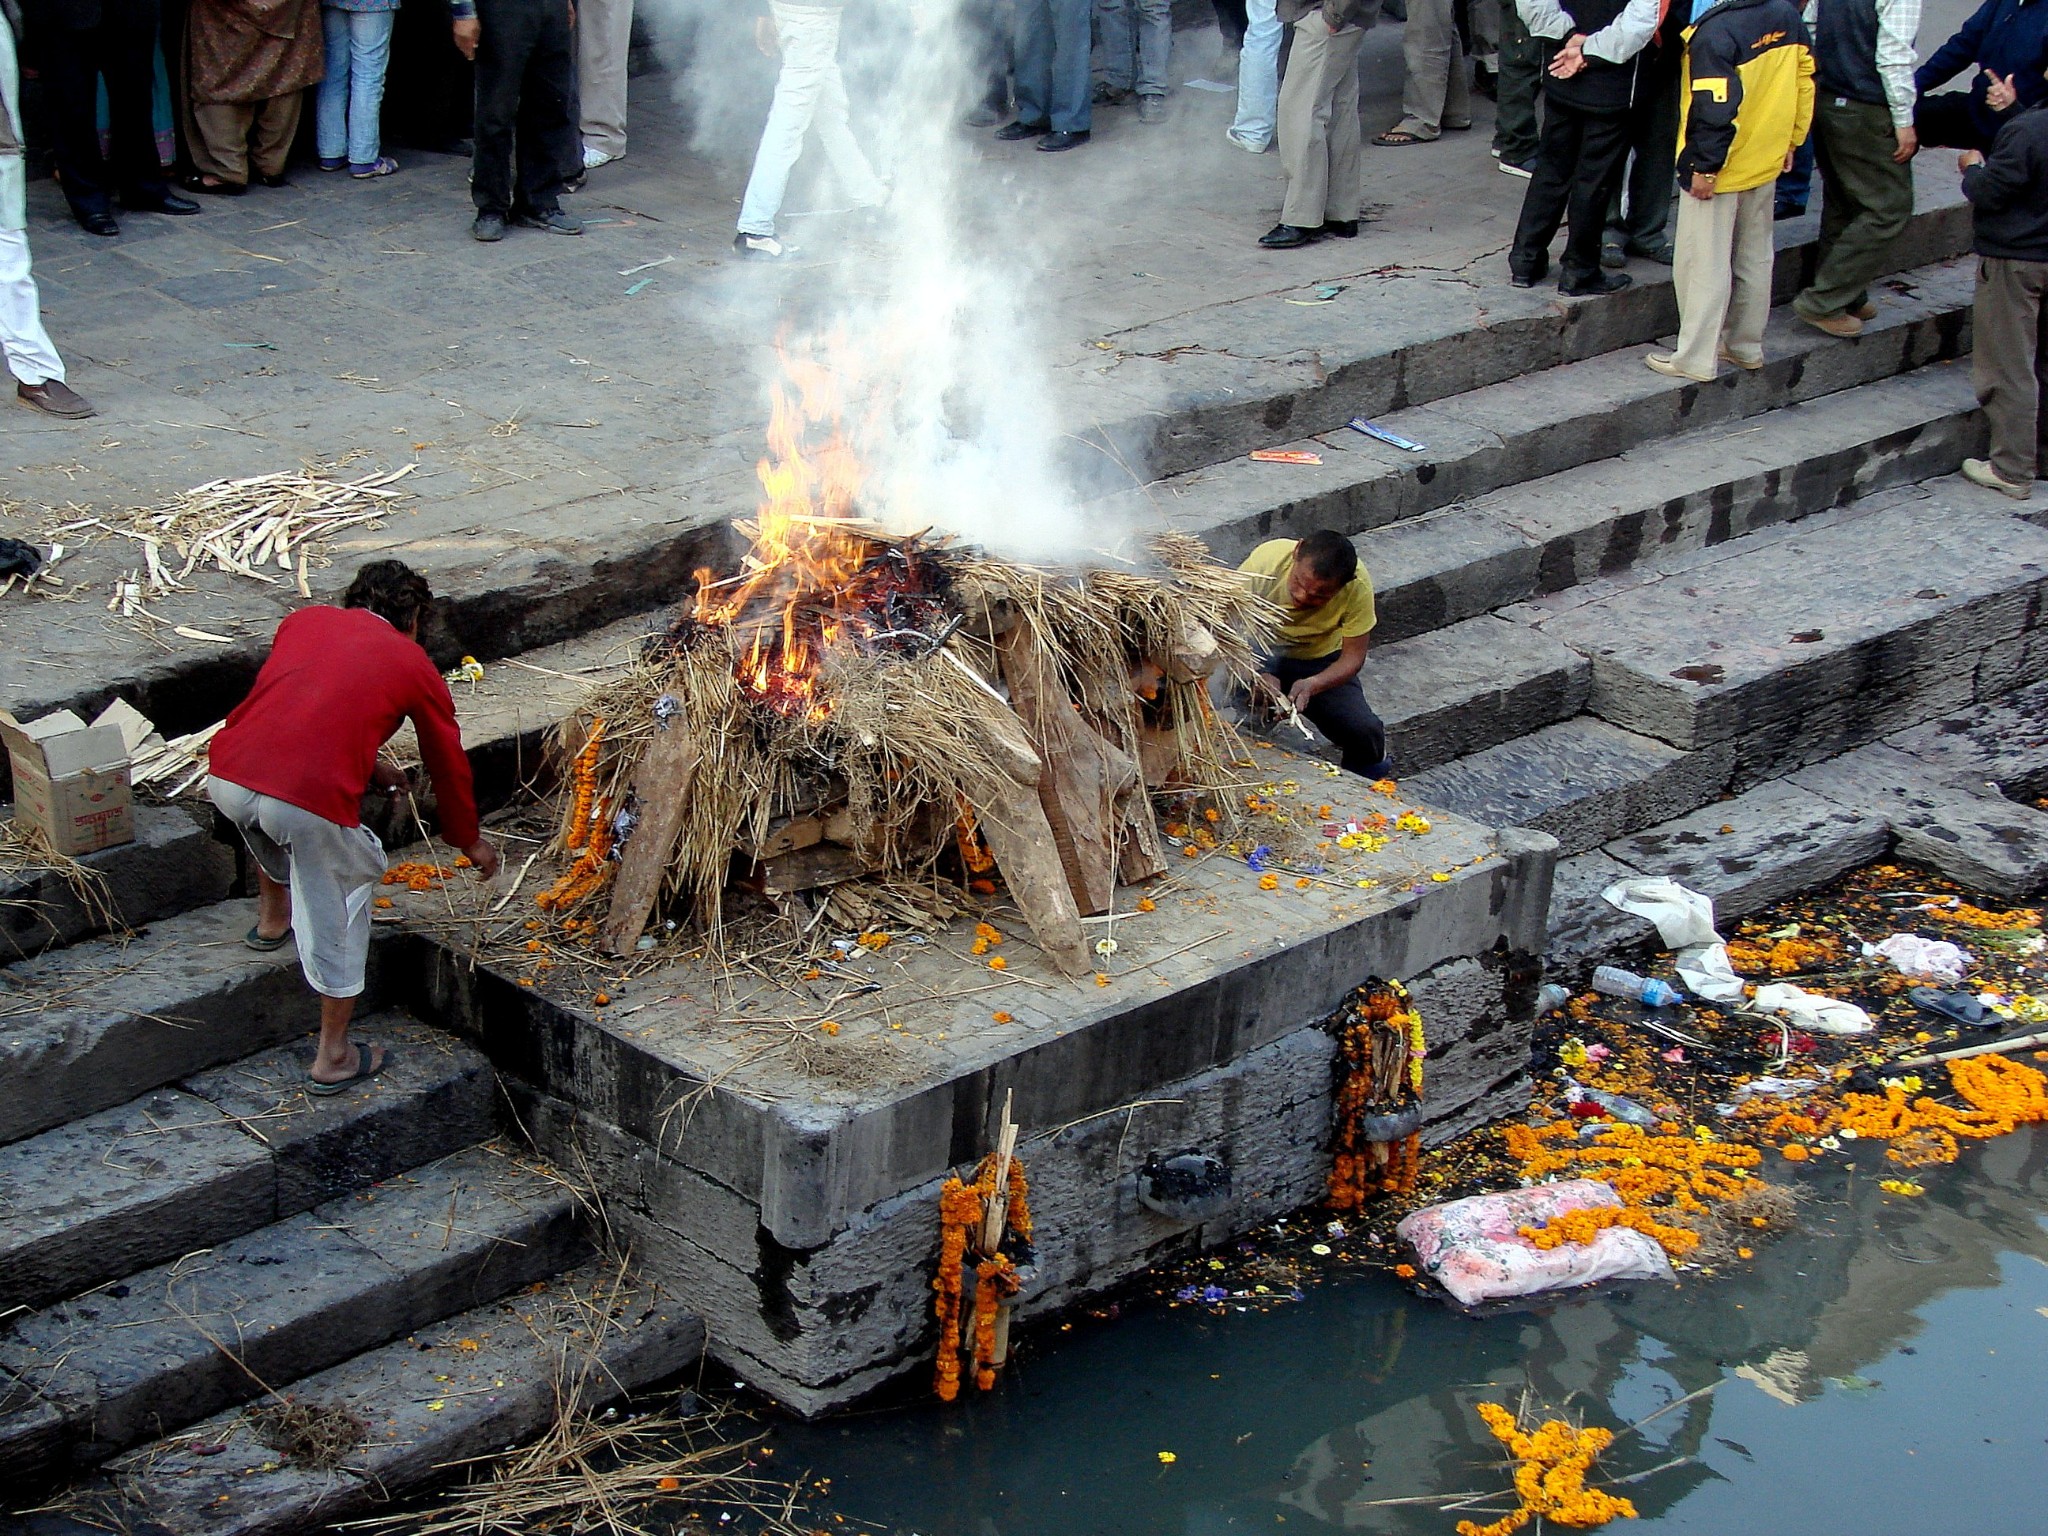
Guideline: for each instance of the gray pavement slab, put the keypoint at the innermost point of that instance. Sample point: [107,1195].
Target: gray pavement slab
[2001,743]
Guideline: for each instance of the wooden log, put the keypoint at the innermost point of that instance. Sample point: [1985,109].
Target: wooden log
[1013,820]
[660,788]
[809,868]
[789,834]
[1083,773]
[1158,757]
[1195,658]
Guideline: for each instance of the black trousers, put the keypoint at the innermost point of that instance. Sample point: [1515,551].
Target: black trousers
[1578,161]
[1653,136]
[1231,21]
[990,47]
[1340,713]
[525,106]
[123,48]
[1946,120]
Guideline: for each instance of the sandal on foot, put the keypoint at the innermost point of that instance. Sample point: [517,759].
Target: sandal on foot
[383,165]
[255,940]
[334,162]
[1961,1007]
[363,1072]
[1395,138]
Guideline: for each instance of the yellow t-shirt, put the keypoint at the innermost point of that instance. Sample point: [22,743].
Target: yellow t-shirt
[1310,633]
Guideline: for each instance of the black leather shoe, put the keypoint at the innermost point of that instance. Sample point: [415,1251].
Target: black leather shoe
[1053,143]
[1594,285]
[1517,280]
[1022,130]
[1284,237]
[207,188]
[1528,279]
[279,180]
[165,201]
[489,227]
[1343,229]
[98,224]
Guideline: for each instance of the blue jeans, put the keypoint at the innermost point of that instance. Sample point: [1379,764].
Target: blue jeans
[1052,63]
[1795,187]
[1148,50]
[348,114]
[1258,76]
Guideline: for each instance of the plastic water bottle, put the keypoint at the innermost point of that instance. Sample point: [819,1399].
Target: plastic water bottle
[1550,997]
[1616,982]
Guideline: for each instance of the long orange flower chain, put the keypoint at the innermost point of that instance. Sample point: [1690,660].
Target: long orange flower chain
[1550,1478]
[2004,1095]
[960,1214]
[588,829]
[1656,1173]
[1358,1171]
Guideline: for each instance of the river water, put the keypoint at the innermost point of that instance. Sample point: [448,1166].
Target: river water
[1882,1371]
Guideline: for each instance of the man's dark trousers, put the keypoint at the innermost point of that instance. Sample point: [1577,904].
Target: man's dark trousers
[525,92]
[1522,62]
[1866,203]
[1653,135]
[1577,168]
[1340,713]
[78,41]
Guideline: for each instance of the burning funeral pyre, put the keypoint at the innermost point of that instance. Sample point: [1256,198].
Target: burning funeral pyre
[855,710]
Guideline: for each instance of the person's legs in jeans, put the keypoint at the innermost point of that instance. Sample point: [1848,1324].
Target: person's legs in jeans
[1115,68]
[1155,45]
[369,57]
[1034,62]
[330,103]
[549,143]
[1258,76]
[1795,187]
[1070,103]
[509,29]
[849,163]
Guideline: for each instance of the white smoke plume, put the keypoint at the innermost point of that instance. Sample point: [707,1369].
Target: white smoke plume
[929,332]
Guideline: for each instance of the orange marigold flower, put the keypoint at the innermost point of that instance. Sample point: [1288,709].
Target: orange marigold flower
[603,999]
[999,964]
[1405,1271]
[1147,904]
[382,903]
[1004,1018]
[1269,882]
[829,1027]
[1794,1153]
[1102,978]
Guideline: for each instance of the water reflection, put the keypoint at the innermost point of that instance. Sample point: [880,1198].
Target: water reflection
[1882,1372]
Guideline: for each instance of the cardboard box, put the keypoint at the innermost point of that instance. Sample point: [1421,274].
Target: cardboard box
[70,781]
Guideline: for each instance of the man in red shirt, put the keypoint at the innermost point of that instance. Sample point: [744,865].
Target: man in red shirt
[292,764]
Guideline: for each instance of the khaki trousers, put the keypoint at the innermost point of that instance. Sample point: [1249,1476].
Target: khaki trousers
[2010,364]
[1723,278]
[604,36]
[230,138]
[1436,94]
[1320,148]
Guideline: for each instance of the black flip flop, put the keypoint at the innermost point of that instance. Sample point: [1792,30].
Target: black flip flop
[363,1072]
[261,945]
[1960,1007]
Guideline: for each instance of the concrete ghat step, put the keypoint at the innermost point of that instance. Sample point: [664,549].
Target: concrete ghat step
[474,1384]
[105,1371]
[1543,423]
[1668,496]
[2002,743]
[1792,645]
[1747,852]
[1583,781]
[172,866]
[223,1153]
[91,1026]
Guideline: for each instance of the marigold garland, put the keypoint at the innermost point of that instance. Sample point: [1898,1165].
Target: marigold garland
[2003,1094]
[961,1207]
[959,1210]
[583,779]
[1657,1174]
[1380,1051]
[1550,1479]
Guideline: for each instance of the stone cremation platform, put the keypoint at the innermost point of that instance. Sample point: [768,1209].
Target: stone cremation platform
[774,1150]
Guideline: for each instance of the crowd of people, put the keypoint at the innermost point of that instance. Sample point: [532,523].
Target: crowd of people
[1610,110]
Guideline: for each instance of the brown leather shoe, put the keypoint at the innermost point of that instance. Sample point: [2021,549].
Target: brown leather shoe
[55,397]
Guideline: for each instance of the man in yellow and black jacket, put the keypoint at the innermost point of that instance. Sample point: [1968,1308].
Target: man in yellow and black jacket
[1749,102]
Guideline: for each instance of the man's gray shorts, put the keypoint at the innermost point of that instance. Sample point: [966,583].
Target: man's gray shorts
[333,872]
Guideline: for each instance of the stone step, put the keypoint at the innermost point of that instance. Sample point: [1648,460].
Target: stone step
[1746,852]
[2001,743]
[1794,644]
[1668,496]
[1463,689]
[223,1153]
[1546,422]
[467,1387]
[100,1373]
[1583,781]
[88,1027]
[172,866]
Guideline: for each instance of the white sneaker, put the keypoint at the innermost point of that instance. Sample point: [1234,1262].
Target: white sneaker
[593,158]
[1980,472]
[1244,144]
[761,247]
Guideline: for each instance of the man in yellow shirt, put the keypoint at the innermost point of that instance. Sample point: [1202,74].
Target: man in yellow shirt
[1320,646]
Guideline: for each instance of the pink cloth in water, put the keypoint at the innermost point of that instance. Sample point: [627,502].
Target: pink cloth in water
[1474,1248]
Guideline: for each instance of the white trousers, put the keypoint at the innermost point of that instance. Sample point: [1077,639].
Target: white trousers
[810,93]
[604,36]
[30,357]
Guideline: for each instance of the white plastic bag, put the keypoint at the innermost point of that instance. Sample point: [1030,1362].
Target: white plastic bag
[1808,1010]
[1474,1248]
[1685,921]
[1935,959]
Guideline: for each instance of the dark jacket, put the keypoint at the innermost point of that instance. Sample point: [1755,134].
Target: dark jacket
[1748,93]
[1602,85]
[2009,36]
[1338,13]
[2008,193]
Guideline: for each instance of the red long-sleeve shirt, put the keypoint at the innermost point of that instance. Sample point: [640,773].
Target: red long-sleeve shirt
[338,682]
